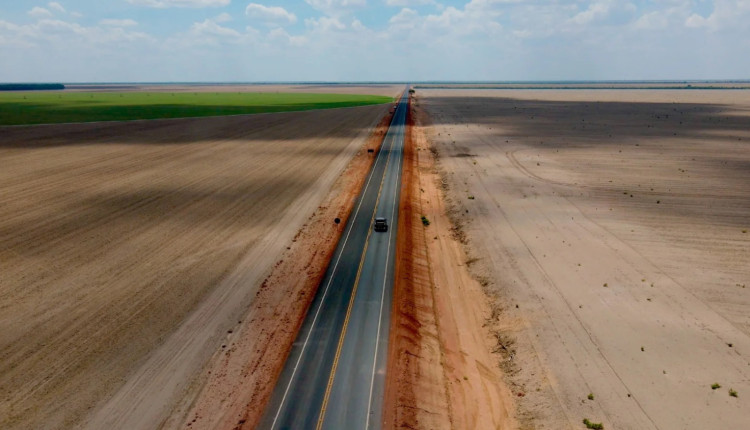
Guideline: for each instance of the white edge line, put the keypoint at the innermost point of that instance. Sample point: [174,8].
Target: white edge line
[382,295]
[325,292]
[390,232]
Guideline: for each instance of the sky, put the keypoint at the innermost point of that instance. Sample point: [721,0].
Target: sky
[372,40]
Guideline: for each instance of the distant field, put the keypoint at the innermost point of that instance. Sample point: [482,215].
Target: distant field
[48,108]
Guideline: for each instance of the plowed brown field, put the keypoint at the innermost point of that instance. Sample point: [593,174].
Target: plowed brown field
[113,235]
[613,229]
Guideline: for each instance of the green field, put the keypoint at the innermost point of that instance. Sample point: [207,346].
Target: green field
[57,107]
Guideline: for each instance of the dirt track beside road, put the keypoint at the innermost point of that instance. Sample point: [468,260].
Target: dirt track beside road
[442,372]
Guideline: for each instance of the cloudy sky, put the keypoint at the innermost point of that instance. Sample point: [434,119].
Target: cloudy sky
[364,40]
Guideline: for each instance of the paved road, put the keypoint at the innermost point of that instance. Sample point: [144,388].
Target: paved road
[335,374]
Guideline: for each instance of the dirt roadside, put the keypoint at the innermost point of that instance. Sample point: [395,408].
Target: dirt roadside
[234,388]
[442,373]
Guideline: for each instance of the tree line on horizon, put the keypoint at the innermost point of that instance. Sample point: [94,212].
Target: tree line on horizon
[31,87]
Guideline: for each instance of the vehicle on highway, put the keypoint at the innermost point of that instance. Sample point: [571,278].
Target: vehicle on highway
[381,224]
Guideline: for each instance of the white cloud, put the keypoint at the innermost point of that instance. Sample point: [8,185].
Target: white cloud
[605,12]
[670,17]
[223,17]
[280,35]
[274,14]
[39,12]
[652,21]
[211,28]
[477,16]
[210,38]
[118,22]
[696,21]
[325,24]
[55,31]
[470,39]
[180,3]
[594,12]
[522,34]
[405,18]
[358,26]
[336,7]
[56,6]
[726,15]
[403,3]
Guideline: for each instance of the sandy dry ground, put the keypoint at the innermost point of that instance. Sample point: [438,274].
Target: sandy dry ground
[113,235]
[236,385]
[374,89]
[442,373]
[613,230]
[591,85]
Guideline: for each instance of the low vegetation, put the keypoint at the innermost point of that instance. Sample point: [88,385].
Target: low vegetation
[592,426]
[48,107]
[425,221]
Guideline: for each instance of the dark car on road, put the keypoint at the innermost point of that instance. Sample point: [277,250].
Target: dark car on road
[381,224]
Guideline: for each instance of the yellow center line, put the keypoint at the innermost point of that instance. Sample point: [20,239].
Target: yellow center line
[324,406]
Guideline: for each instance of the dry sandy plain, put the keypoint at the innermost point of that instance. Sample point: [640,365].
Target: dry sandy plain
[611,231]
[128,250]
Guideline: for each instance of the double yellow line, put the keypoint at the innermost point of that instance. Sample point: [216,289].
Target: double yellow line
[324,406]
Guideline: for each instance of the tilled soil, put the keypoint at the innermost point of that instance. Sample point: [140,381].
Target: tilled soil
[113,235]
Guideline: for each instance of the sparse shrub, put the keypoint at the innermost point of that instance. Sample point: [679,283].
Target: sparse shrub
[425,221]
[715,386]
[590,396]
[471,197]
[732,393]
[592,426]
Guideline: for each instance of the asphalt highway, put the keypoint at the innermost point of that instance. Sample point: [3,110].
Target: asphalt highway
[334,376]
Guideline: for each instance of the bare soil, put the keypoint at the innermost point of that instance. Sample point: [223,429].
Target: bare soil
[129,250]
[442,371]
[611,229]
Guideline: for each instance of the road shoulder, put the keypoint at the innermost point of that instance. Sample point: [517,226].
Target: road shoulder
[442,373]
[234,388]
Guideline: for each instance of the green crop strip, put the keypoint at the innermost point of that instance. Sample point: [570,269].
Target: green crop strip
[54,107]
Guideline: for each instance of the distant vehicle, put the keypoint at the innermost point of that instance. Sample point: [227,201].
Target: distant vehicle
[381,224]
